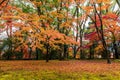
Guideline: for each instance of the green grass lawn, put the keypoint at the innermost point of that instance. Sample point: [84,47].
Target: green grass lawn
[59,70]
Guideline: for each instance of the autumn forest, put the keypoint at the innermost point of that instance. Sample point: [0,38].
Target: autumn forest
[74,32]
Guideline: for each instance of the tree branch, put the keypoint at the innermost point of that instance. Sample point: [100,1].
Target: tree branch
[2,2]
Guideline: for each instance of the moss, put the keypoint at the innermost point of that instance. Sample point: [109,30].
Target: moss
[58,70]
[52,75]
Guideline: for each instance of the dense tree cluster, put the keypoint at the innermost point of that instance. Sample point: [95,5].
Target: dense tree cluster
[60,29]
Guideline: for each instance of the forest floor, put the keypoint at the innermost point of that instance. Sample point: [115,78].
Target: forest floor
[59,70]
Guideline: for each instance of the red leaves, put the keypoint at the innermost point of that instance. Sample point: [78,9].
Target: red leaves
[91,36]
[110,16]
[87,46]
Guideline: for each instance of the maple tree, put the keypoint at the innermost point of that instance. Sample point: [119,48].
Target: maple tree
[35,29]
[100,16]
[113,36]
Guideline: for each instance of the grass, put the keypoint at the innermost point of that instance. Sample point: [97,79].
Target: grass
[59,70]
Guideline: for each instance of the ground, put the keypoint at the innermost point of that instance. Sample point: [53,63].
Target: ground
[59,70]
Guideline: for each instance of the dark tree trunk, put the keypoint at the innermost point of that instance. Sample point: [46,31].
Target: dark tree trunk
[92,51]
[37,53]
[91,56]
[104,55]
[116,51]
[47,58]
[65,51]
[75,52]
[82,55]
[39,11]
[21,51]
[100,32]
[105,49]
[60,56]
[115,46]
[47,54]
[8,55]
[108,58]
[30,53]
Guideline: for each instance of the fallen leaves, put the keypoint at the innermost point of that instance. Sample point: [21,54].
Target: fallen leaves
[62,66]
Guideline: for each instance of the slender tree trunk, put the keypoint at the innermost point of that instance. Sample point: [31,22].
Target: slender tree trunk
[100,32]
[81,50]
[75,52]
[82,56]
[60,56]
[115,47]
[116,51]
[105,48]
[47,58]
[47,54]
[37,54]
[65,51]
[21,51]
[30,52]
[90,56]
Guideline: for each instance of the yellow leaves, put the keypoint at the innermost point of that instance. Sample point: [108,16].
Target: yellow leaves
[88,9]
[53,13]
[60,16]
[104,7]
[78,1]
[11,17]
[26,29]
[53,37]
[70,41]
[57,15]
[43,17]
[17,33]
[99,1]
[71,0]
[103,1]
[66,25]
[31,17]
[99,48]
[18,39]
[37,3]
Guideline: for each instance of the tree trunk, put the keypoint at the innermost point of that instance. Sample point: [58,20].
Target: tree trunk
[30,52]
[100,31]
[90,56]
[60,56]
[47,54]
[37,52]
[47,58]
[75,52]
[116,51]
[65,51]
[82,56]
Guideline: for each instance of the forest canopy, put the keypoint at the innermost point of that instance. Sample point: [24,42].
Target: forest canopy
[60,29]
